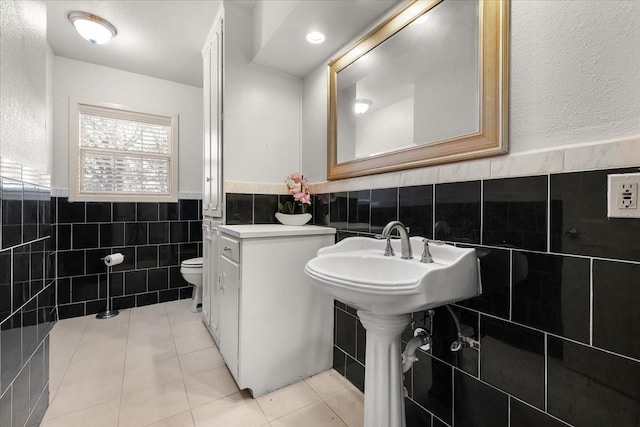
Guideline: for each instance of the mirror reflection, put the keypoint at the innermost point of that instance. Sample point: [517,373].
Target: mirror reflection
[418,87]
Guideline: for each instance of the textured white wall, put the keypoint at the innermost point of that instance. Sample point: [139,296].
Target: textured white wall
[314,125]
[575,72]
[97,83]
[262,112]
[574,78]
[23,80]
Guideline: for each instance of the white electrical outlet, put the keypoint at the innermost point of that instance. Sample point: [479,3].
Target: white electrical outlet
[622,195]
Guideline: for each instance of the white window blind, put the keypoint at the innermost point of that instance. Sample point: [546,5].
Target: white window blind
[124,154]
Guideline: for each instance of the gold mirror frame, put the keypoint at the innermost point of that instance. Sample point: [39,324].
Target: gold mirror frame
[492,138]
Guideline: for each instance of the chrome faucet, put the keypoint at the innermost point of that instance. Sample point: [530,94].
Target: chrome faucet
[405,244]
[426,253]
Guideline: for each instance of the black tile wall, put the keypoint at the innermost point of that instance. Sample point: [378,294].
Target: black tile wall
[320,208]
[359,210]
[495,274]
[338,215]
[27,302]
[616,303]
[121,211]
[579,222]
[98,212]
[168,212]
[415,209]
[264,208]
[239,209]
[523,415]
[432,386]
[445,332]
[384,208]
[458,212]
[515,212]
[154,238]
[477,404]
[552,293]
[261,209]
[557,319]
[147,211]
[512,359]
[589,387]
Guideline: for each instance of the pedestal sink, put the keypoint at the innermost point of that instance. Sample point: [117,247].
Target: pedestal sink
[385,290]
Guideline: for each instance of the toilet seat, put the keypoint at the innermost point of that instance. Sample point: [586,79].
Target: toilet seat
[192,262]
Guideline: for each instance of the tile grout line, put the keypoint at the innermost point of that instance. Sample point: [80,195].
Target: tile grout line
[554,335]
[184,384]
[320,399]
[548,214]
[591,265]
[67,365]
[510,285]
[124,367]
[346,387]
[546,372]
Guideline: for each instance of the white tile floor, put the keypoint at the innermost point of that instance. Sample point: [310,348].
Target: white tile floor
[158,366]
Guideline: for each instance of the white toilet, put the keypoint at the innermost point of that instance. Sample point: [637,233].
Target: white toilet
[191,270]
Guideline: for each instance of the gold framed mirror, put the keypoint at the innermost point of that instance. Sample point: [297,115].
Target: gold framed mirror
[431,87]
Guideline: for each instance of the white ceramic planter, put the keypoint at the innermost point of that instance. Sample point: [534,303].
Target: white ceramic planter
[295,219]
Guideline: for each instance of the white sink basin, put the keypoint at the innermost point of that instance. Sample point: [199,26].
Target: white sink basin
[385,290]
[356,272]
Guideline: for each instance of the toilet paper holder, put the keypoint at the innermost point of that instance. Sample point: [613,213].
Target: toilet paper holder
[110,261]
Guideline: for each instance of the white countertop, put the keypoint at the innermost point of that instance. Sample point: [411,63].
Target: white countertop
[250,231]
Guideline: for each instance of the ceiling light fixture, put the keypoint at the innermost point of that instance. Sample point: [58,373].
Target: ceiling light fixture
[362,106]
[315,37]
[421,19]
[92,28]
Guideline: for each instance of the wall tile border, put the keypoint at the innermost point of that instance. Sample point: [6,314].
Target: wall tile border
[617,153]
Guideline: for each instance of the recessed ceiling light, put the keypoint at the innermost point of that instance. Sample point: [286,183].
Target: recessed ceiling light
[92,28]
[421,19]
[362,106]
[315,37]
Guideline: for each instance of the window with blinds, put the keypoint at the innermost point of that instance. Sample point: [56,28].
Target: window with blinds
[122,154]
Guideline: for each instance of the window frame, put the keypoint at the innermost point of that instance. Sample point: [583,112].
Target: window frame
[126,113]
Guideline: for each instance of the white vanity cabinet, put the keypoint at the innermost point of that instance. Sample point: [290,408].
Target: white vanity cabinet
[210,268]
[275,325]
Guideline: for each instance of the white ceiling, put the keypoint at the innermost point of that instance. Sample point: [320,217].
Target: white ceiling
[341,21]
[163,38]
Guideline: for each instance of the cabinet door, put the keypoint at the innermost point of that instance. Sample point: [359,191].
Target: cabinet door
[229,321]
[206,95]
[214,294]
[208,279]
[212,88]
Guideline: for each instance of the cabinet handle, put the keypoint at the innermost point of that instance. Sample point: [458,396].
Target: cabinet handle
[208,179]
[227,249]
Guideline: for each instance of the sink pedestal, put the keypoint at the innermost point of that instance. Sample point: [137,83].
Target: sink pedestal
[383,385]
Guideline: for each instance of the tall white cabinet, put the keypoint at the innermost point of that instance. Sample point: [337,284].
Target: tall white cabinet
[276,325]
[212,75]
[213,192]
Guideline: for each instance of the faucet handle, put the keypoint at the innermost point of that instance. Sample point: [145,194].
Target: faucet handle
[388,250]
[426,254]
